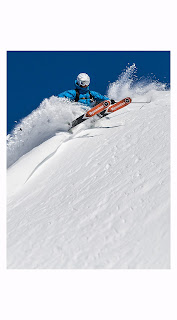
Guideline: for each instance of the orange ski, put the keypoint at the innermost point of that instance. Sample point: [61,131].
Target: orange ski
[97,109]
[118,105]
[92,112]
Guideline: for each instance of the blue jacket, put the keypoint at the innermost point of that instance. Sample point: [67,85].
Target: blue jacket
[84,95]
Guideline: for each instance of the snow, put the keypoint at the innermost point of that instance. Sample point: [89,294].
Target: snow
[99,198]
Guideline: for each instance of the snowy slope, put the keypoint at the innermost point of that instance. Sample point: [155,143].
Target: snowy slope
[99,198]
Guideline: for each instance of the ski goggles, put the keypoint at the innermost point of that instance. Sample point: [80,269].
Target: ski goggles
[83,83]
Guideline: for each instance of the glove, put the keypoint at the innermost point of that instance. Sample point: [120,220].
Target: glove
[112,101]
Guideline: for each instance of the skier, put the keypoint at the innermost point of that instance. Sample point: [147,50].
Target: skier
[82,93]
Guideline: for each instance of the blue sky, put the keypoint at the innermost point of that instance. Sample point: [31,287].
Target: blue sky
[35,75]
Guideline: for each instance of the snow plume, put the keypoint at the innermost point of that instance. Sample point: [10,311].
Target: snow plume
[52,115]
[127,84]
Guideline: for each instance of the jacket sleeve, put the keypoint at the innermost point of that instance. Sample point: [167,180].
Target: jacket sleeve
[70,94]
[98,97]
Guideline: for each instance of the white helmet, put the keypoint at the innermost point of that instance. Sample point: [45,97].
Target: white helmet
[83,79]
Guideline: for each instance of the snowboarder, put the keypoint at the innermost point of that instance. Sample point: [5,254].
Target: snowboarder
[82,94]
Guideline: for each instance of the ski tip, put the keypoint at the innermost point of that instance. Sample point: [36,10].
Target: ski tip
[128,100]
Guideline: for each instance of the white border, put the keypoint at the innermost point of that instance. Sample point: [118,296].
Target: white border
[84,294]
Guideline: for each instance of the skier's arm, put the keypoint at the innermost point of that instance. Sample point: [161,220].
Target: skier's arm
[98,97]
[70,94]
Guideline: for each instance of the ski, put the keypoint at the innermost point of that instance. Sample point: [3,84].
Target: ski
[101,110]
[115,107]
[92,112]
